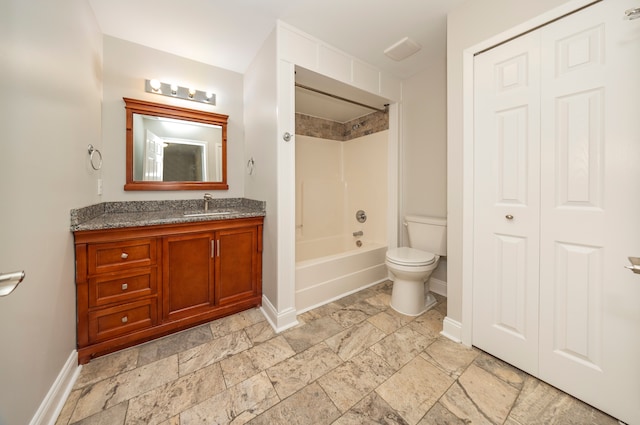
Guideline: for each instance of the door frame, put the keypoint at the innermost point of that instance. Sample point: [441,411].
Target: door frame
[465,333]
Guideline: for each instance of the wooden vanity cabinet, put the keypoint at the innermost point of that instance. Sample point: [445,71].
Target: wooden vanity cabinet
[140,283]
[201,270]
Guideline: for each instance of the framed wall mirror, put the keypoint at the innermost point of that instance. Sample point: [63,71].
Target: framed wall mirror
[174,148]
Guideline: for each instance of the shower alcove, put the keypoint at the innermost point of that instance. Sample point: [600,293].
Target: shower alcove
[342,166]
[269,91]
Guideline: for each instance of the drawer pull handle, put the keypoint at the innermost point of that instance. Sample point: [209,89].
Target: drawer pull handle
[125,319]
[125,286]
[124,255]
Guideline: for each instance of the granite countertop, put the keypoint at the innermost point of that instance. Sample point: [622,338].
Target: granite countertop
[113,215]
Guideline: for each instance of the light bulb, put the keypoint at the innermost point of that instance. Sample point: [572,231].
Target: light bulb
[155,85]
[174,89]
[192,93]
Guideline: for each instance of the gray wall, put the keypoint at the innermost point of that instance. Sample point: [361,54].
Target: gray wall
[126,66]
[261,117]
[424,142]
[51,92]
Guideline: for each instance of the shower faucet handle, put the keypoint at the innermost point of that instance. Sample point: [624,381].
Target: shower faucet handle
[361,216]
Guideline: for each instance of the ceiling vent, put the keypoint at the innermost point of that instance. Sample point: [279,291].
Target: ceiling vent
[402,49]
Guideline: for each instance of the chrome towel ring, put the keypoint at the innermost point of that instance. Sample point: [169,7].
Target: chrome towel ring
[93,151]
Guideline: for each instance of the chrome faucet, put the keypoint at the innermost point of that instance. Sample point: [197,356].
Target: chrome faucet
[358,233]
[207,198]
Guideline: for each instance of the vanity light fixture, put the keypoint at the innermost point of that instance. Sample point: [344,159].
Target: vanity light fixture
[174,90]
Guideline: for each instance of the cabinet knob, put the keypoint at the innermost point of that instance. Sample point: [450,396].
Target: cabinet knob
[124,255]
[125,319]
[125,286]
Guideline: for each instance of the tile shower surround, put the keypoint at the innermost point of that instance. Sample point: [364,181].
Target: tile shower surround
[352,361]
[307,125]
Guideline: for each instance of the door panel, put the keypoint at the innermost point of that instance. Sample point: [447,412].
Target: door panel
[509,302]
[578,304]
[579,145]
[506,204]
[590,144]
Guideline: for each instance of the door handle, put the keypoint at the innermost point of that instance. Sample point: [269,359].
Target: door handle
[9,282]
[635,265]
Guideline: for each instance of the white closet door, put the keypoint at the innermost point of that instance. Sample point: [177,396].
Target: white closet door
[506,203]
[590,208]
[557,147]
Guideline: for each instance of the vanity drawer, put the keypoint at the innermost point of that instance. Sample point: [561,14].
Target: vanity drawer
[122,287]
[121,255]
[111,322]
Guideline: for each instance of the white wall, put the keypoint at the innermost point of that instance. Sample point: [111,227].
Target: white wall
[424,151]
[126,66]
[470,24]
[260,115]
[424,142]
[334,180]
[51,91]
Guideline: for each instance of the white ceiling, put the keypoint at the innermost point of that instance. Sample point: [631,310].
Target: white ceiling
[229,33]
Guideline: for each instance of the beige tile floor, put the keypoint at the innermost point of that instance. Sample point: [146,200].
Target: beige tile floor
[353,361]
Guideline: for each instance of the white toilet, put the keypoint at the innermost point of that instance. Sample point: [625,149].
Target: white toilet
[411,267]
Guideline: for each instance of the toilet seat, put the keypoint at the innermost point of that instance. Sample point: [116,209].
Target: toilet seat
[405,256]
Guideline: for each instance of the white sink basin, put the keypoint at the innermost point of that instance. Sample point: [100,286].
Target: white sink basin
[204,213]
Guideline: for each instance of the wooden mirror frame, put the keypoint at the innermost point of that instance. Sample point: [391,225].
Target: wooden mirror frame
[134,106]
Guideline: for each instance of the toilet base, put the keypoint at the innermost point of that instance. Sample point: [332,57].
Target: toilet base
[411,298]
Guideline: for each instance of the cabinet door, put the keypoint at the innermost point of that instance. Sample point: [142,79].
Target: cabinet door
[236,264]
[187,274]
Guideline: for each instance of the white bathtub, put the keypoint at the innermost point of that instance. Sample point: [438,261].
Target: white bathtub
[330,268]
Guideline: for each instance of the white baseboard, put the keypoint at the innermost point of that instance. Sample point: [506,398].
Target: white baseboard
[438,286]
[279,321]
[342,295]
[52,404]
[452,329]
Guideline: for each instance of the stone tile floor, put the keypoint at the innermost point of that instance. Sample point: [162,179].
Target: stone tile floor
[353,361]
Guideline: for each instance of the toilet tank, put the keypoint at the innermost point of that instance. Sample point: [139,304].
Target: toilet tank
[427,233]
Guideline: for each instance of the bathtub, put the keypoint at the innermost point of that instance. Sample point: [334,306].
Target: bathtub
[330,268]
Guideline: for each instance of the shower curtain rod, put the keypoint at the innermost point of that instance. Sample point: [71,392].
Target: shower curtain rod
[341,98]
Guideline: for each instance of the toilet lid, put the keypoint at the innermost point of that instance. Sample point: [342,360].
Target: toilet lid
[406,256]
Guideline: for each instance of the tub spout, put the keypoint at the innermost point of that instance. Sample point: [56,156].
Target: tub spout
[358,233]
